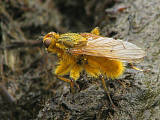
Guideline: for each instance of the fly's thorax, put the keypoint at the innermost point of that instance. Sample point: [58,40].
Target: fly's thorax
[71,40]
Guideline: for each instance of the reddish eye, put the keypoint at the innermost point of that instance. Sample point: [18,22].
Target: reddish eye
[47,42]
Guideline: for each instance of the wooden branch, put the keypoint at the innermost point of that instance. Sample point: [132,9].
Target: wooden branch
[20,44]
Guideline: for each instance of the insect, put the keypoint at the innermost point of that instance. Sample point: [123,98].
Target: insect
[92,53]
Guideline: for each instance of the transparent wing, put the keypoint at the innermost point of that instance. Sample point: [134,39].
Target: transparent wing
[111,48]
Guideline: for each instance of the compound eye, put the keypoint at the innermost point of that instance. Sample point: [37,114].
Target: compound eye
[47,42]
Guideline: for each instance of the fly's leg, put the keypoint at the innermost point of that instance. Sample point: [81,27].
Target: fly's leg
[107,91]
[138,69]
[122,83]
[134,67]
[95,31]
[72,82]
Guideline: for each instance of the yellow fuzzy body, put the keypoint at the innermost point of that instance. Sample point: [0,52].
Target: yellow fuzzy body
[74,64]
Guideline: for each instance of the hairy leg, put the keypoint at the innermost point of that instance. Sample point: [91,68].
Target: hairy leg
[134,67]
[107,91]
[72,83]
